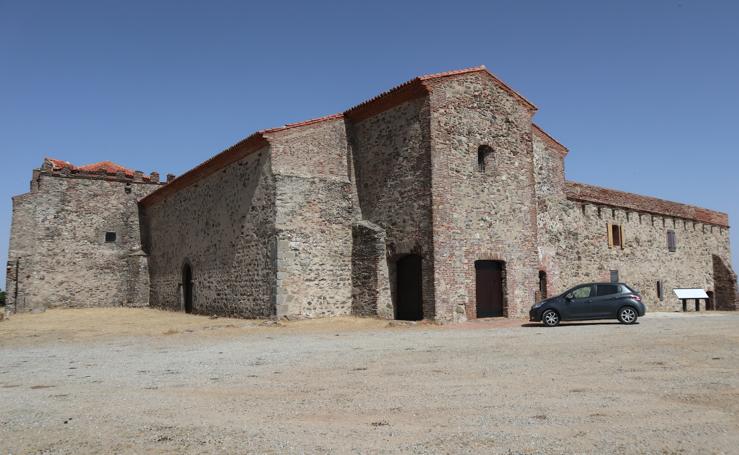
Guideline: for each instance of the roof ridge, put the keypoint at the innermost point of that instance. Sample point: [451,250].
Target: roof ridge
[549,136]
[303,123]
[96,163]
[416,86]
[472,69]
[409,89]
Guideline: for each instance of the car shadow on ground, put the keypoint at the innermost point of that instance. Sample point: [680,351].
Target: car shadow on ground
[573,323]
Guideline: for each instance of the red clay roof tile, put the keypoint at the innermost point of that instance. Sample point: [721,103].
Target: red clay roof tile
[109,167]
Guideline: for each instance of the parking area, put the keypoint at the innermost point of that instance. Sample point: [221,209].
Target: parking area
[141,380]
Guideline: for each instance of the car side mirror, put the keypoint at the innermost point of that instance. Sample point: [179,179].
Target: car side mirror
[568,297]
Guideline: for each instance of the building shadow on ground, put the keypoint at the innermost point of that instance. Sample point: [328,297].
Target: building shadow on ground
[575,323]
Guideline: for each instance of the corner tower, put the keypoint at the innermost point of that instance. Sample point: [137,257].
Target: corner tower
[75,238]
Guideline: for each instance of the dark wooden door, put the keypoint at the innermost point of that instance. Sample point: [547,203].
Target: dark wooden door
[409,299]
[187,287]
[489,288]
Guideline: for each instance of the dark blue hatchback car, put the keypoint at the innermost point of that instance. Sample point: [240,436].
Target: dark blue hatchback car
[590,301]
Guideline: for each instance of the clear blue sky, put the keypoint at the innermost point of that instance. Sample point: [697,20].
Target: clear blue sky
[644,93]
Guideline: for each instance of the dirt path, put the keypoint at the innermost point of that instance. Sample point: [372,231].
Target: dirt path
[126,380]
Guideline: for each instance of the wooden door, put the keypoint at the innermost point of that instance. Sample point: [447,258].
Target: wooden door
[187,287]
[489,288]
[409,299]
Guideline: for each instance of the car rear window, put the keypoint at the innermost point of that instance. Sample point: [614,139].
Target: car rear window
[607,289]
[628,289]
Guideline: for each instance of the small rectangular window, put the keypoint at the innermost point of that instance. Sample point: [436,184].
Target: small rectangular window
[614,276]
[660,292]
[671,241]
[110,237]
[615,236]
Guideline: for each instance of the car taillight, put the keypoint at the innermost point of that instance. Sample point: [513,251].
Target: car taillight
[636,297]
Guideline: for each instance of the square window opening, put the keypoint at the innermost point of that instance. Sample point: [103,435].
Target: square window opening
[110,237]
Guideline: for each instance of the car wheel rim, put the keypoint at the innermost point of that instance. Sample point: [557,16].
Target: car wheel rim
[628,315]
[551,318]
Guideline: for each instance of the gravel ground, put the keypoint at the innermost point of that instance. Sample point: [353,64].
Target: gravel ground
[144,381]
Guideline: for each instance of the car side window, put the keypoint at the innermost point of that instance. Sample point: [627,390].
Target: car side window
[582,293]
[607,289]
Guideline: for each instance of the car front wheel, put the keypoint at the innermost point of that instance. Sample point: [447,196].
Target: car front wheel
[550,318]
[627,315]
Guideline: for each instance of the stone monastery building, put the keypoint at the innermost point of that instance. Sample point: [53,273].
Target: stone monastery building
[438,199]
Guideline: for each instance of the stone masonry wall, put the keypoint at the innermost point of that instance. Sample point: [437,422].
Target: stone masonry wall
[481,215]
[58,246]
[552,208]
[725,284]
[223,226]
[313,220]
[392,167]
[310,219]
[370,279]
[574,246]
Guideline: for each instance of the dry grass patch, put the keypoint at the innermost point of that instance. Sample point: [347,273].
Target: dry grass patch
[88,323]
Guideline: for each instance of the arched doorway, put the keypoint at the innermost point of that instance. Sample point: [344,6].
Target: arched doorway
[187,287]
[489,287]
[409,301]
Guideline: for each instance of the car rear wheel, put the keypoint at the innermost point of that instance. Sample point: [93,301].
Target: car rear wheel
[627,315]
[550,318]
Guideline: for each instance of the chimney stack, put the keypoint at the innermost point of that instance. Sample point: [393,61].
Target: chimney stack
[154,177]
[170,177]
